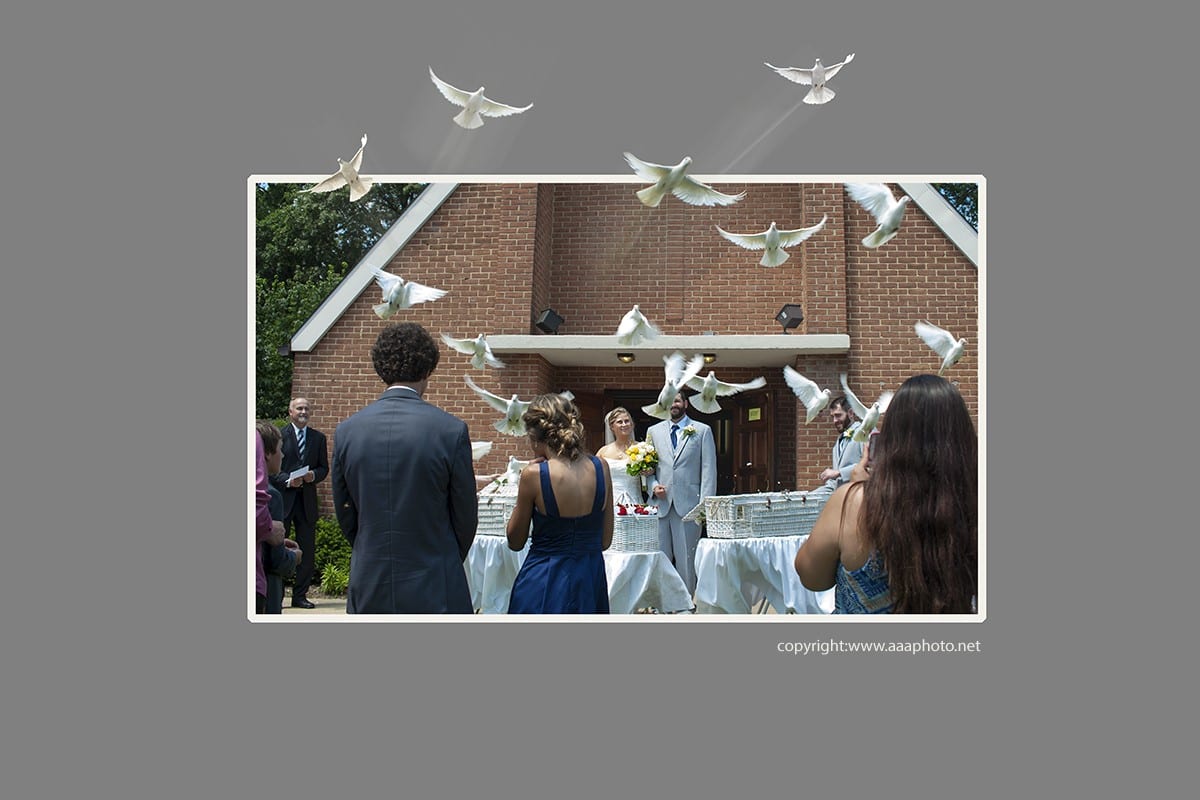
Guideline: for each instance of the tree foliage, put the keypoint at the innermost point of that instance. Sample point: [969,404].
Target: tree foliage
[304,246]
[965,199]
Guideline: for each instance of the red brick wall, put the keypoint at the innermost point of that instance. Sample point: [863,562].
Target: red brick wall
[591,251]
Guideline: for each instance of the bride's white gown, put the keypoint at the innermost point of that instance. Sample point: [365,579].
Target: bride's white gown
[626,488]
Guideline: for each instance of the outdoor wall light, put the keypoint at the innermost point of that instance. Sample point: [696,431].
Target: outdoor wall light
[626,358]
[789,316]
[548,321]
[710,358]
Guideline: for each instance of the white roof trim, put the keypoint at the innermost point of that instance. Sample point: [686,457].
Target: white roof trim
[946,217]
[737,350]
[380,255]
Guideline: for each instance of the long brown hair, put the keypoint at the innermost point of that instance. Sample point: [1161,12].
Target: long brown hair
[919,510]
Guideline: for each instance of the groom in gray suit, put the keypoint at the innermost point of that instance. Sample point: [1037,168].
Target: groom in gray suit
[404,489]
[687,473]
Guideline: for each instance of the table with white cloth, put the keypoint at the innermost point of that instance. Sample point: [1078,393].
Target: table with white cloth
[733,575]
[635,579]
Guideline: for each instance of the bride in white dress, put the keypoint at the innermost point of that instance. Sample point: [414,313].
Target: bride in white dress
[619,435]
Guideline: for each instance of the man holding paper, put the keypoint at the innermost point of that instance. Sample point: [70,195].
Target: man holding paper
[305,462]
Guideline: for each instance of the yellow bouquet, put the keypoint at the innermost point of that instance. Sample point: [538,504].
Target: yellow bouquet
[643,458]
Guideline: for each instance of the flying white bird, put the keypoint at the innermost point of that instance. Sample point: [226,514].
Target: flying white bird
[474,105]
[878,199]
[478,349]
[815,77]
[772,240]
[815,399]
[673,180]
[869,416]
[710,389]
[512,409]
[480,449]
[943,343]
[678,373]
[347,175]
[399,293]
[635,328]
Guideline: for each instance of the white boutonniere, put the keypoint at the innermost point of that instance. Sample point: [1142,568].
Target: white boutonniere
[689,430]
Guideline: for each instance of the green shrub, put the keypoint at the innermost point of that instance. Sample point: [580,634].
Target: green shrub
[333,553]
[335,579]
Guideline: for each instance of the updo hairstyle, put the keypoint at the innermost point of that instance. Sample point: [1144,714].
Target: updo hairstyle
[554,420]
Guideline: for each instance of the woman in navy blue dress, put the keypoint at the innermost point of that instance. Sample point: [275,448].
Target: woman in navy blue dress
[567,495]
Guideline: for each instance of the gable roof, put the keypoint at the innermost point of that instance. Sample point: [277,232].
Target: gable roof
[431,198]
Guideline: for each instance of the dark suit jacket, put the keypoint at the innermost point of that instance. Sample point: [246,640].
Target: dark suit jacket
[316,458]
[404,493]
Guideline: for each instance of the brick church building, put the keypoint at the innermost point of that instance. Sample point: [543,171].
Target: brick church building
[547,268]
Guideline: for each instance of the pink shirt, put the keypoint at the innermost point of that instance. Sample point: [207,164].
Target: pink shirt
[262,513]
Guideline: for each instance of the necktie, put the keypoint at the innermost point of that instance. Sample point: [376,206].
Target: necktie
[300,444]
[674,436]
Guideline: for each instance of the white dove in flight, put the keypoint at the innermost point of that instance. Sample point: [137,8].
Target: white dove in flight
[635,328]
[815,399]
[878,199]
[399,293]
[474,105]
[710,389]
[678,373]
[869,416]
[772,241]
[478,349]
[347,175]
[674,180]
[512,409]
[480,449]
[943,343]
[815,77]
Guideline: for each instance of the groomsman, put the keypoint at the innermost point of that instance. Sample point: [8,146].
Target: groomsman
[846,451]
[303,446]
[686,473]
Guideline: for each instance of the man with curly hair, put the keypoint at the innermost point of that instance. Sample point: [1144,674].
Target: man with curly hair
[404,488]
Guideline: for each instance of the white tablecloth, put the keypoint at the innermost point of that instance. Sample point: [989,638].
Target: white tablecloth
[635,580]
[733,574]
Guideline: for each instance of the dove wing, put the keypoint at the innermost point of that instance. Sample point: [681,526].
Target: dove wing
[833,70]
[940,340]
[495,401]
[856,405]
[691,369]
[420,293]
[334,181]
[356,162]
[465,346]
[789,238]
[750,241]
[801,386]
[876,198]
[480,449]
[700,194]
[451,93]
[386,280]
[491,108]
[885,400]
[794,74]
[727,389]
[645,169]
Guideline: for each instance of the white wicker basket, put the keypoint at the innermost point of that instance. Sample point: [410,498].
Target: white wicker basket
[494,511]
[745,516]
[635,533]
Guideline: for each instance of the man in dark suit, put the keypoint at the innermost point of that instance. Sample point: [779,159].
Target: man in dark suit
[404,489]
[303,446]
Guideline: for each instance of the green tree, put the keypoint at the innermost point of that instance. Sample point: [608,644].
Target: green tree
[304,246]
[965,199]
